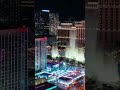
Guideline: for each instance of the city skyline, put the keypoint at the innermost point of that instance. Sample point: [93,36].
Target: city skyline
[64,8]
[59,44]
[62,60]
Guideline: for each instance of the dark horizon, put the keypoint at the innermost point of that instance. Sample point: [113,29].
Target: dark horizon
[65,9]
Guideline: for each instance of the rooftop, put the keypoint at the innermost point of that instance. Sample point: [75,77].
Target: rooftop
[65,78]
[45,86]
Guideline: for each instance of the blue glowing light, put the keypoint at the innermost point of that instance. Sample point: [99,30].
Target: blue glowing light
[64,63]
[51,88]
[46,11]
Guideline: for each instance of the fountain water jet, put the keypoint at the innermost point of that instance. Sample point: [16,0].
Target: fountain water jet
[73,52]
[55,52]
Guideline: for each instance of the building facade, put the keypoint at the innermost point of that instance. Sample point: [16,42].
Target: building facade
[54,23]
[40,53]
[13,59]
[42,23]
[109,27]
[101,39]
[31,58]
[80,38]
[10,13]
[64,30]
[46,25]
[27,3]
[109,23]
[16,13]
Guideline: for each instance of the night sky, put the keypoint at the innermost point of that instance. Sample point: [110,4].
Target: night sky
[65,8]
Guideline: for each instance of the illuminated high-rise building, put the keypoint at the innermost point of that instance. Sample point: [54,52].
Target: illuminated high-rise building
[80,35]
[102,39]
[10,13]
[54,23]
[13,59]
[27,3]
[42,23]
[46,24]
[27,12]
[16,12]
[109,27]
[64,30]
[108,24]
[40,53]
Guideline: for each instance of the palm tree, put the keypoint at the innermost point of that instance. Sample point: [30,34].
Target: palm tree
[53,59]
[57,58]
[60,59]
[49,57]
[79,63]
[72,62]
[67,60]
[83,64]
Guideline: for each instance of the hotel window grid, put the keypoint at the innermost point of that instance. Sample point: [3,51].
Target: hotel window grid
[8,64]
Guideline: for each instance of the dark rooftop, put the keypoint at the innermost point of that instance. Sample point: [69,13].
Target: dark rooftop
[44,86]
[45,74]
[65,78]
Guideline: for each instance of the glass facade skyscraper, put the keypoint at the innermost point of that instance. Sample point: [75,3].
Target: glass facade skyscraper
[40,53]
